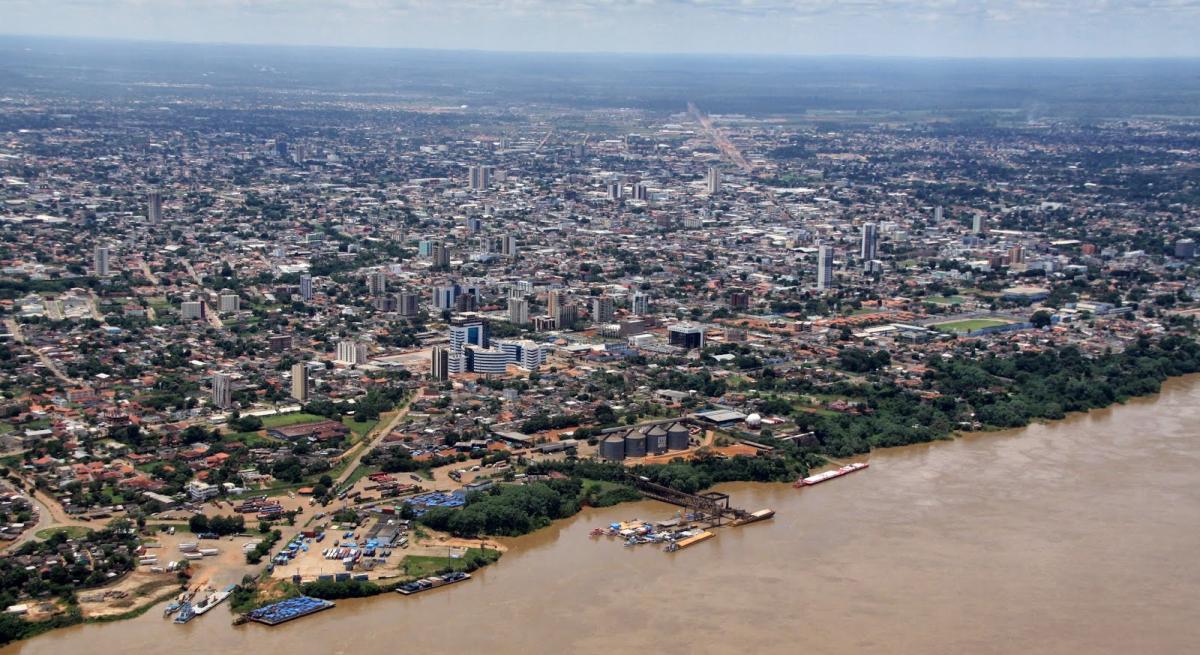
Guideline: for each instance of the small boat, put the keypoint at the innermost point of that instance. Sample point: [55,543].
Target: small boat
[671,547]
[597,532]
[171,608]
[186,613]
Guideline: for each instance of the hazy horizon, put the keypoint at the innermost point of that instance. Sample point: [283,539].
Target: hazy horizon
[870,28]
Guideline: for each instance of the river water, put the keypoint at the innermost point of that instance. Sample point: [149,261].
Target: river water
[1082,536]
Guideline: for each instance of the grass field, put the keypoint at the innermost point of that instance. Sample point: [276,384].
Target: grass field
[422,566]
[281,420]
[359,428]
[970,325]
[72,532]
[946,300]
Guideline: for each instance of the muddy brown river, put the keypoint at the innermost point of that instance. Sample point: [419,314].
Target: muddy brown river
[1078,537]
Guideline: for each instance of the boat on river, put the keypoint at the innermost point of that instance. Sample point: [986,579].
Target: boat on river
[829,475]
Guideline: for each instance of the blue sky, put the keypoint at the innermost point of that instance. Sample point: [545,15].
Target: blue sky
[963,28]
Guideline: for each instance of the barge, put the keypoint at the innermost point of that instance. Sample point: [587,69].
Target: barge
[829,475]
[288,610]
[425,584]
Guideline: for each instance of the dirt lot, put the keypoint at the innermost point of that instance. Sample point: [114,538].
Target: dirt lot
[427,543]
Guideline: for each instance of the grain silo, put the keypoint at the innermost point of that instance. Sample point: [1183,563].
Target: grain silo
[613,447]
[677,437]
[635,443]
[656,440]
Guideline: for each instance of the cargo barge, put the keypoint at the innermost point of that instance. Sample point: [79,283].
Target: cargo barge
[754,517]
[425,584]
[703,535]
[288,610]
[829,475]
[214,600]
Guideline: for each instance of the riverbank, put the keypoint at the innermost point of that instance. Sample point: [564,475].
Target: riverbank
[1064,537]
[754,494]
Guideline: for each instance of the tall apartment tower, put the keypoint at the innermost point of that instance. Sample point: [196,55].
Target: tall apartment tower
[377,283]
[641,192]
[508,245]
[154,207]
[639,304]
[300,381]
[602,309]
[100,260]
[937,214]
[870,241]
[439,255]
[616,191]
[439,367]
[979,224]
[713,180]
[351,352]
[555,299]
[306,287]
[825,267]
[409,304]
[518,311]
[479,177]
[222,390]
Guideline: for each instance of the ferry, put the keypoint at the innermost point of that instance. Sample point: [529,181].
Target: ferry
[829,475]
[186,613]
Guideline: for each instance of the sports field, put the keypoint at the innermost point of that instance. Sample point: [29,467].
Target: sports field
[970,325]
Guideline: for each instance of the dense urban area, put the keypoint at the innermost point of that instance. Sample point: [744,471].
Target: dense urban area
[304,345]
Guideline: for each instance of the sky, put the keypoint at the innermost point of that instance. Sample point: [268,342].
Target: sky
[937,28]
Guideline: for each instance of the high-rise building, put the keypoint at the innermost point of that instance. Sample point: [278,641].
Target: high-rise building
[191,310]
[555,299]
[300,381]
[686,335]
[439,255]
[639,304]
[616,191]
[938,212]
[439,368]
[479,177]
[641,192]
[154,207]
[306,287]
[230,303]
[377,283]
[870,241]
[100,261]
[467,302]
[469,331]
[518,311]
[739,299]
[279,342]
[475,224]
[713,180]
[222,390]
[425,247]
[979,224]
[408,304]
[566,316]
[1185,248]
[602,309]
[445,296]
[351,352]
[825,267]
[1016,254]
[508,245]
